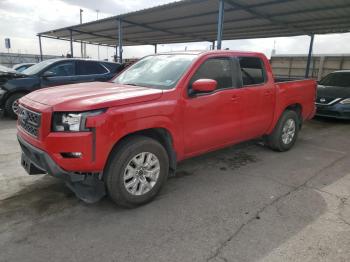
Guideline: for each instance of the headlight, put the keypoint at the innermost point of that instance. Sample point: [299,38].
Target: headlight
[345,101]
[72,122]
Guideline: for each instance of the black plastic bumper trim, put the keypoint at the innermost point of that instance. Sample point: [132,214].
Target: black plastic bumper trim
[44,163]
[88,188]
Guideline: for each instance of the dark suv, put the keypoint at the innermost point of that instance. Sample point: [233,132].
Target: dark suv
[52,72]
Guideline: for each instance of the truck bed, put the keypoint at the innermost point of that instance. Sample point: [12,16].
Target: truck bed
[280,79]
[297,91]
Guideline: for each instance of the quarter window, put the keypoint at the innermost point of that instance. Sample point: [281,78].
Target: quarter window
[219,69]
[253,72]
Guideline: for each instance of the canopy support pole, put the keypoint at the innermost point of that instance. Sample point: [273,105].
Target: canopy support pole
[71,43]
[308,63]
[40,48]
[155,48]
[220,23]
[120,41]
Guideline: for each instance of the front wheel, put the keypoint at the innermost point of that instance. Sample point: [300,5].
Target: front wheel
[136,171]
[12,105]
[285,133]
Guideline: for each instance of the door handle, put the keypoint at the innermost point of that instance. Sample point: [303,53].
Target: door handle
[267,93]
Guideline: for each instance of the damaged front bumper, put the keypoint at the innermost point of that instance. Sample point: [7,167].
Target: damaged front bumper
[89,187]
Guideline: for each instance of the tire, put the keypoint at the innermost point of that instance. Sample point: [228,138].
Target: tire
[10,104]
[123,164]
[283,137]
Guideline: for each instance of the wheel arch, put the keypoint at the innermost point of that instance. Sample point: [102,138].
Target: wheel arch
[11,93]
[162,135]
[298,108]
[294,106]
[8,96]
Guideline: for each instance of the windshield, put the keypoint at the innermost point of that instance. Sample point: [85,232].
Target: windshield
[159,71]
[336,79]
[38,67]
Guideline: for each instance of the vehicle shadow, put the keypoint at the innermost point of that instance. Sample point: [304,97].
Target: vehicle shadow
[216,205]
[328,120]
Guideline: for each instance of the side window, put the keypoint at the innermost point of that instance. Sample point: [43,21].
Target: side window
[113,68]
[219,69]
[63,69]
[253,71]
[90,68]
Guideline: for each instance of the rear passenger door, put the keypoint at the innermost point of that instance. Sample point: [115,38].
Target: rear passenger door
[257,97]
[89,71]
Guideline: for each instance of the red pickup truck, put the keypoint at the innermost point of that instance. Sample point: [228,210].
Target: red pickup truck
[126,136]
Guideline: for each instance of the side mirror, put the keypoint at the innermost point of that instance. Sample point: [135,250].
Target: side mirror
[48,74]
[204,85]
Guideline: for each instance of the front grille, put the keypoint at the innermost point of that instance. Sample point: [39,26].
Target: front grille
[29,120]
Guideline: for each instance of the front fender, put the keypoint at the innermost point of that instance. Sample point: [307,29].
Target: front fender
[111,130]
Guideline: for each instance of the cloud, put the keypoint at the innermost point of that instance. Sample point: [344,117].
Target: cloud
[22,20]
[114,7]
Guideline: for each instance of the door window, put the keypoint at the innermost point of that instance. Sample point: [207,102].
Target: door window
[219,69]
[63,69]
[90,68]
[253,71]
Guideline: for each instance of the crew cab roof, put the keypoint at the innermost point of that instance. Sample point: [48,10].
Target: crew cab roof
[206,52]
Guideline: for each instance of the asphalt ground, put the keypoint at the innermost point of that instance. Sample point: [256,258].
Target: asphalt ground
[243,203]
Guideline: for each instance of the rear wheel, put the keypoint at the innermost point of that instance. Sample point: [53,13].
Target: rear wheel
[12,105]
[136,171]
[285,133]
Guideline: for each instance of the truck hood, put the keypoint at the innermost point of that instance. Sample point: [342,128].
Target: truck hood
[90,96]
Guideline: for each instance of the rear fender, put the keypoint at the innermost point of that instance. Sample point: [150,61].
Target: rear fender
[282,107]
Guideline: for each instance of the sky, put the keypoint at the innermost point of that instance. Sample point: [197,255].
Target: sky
[22,20]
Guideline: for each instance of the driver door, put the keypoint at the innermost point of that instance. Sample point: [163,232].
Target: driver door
[212,120]
[61,73]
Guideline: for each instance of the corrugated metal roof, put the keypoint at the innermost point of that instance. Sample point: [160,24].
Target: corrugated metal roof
[196,20]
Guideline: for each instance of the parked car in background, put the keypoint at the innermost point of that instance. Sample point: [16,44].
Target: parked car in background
[5,71]
[22,67]
[52,72]
[124,137]
[333,95]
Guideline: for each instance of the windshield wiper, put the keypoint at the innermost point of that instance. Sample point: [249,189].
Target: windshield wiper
[133,84]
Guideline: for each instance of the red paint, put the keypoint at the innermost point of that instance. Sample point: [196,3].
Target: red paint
[197,125]
[204,85]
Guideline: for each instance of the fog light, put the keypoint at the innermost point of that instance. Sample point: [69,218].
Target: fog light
[72,155]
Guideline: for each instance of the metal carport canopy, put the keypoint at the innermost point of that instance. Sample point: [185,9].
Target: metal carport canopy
[212,20]
[197,20]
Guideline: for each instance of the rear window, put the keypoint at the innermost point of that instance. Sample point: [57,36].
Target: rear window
[336,79]
[253,71]
[90,68]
